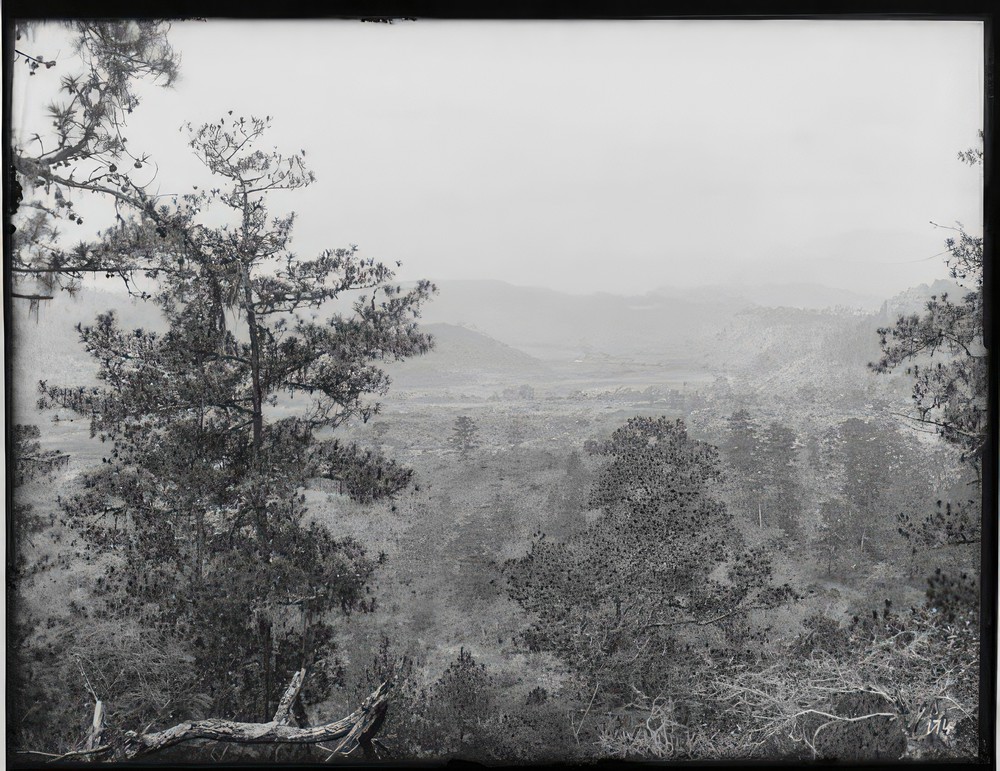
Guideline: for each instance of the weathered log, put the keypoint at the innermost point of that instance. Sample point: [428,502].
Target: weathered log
[283,712]
[97,726]
[353,732]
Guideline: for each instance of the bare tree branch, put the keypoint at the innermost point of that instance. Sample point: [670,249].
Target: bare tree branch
[282,714]
[350,728]
[356,731]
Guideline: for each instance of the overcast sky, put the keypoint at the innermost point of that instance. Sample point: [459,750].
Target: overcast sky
[600,156]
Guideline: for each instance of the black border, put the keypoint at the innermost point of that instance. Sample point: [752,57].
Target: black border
[370,10]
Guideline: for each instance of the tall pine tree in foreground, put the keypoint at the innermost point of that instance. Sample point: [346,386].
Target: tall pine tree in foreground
[199,500]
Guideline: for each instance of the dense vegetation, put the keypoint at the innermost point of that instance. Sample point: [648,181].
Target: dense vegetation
[764,565]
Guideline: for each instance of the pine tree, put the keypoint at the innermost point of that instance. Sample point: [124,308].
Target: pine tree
[199,496]
[30,464]
[833,540]
[86,149]
[762,461]
[465,435]
[663,558]
[943,351]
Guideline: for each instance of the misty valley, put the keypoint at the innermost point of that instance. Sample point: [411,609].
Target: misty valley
[686,530]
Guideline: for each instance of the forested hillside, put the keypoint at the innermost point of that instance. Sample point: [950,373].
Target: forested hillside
[828,496]
[272,506]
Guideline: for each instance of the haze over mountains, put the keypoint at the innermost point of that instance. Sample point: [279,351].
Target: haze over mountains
[797,295]
[491,330]
[557,326]
[666,322]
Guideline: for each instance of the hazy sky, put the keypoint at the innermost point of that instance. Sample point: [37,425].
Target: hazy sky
[588,156]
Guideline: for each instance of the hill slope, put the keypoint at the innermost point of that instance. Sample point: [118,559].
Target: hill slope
[556,326]
[464,356]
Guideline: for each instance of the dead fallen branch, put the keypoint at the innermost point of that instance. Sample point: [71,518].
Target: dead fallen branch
[350,734]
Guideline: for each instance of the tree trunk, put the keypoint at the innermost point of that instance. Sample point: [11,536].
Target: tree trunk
[257,398]
[244,258]
[200,543]
[266,653]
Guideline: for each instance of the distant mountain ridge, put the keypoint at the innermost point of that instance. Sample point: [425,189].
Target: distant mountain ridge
[557,326]
[502,332]
[795,295]
[914,299]
[665,322]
